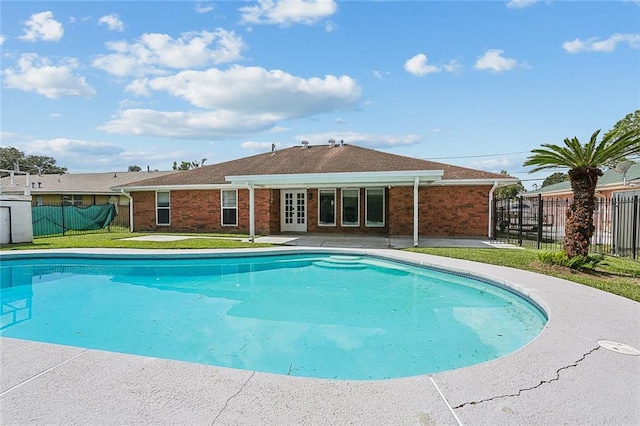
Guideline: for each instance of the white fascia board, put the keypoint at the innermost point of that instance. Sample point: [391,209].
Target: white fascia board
[473,182]
[337,179]
[200,187]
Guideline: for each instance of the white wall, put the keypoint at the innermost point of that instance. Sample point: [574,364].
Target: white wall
[15,219]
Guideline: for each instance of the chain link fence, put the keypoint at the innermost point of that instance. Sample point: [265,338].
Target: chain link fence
[59,219]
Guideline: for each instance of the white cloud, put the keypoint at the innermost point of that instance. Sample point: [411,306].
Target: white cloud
[242,101]
[494,61]
[154,53]
[2,39]
[257,146]
[35,74]
[330,26]
[453,66]
[417,65]
[288,12]
[55,115]
[607,45]
[71,147]
[257,91]
[362,139]
[201,8]
[187,125]
[112,22]
[42,26]
[520,4]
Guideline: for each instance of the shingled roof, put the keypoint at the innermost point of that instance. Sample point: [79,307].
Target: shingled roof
[313,159]
[72,183]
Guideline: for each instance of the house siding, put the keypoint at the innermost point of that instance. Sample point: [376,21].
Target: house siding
[451,211]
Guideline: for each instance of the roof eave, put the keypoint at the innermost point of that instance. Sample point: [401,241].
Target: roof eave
[405,177]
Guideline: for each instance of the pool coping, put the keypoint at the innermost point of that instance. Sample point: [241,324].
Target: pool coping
[562,376]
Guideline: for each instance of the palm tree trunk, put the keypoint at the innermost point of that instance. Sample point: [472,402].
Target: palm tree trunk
[579,225]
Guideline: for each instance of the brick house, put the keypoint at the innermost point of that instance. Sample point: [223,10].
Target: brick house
[334,188]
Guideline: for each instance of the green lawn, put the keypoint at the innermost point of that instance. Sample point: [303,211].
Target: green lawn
[617,275]
[117,240]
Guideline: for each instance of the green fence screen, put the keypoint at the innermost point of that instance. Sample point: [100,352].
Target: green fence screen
[55,220]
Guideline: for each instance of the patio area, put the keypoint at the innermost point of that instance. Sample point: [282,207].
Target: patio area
[567,375]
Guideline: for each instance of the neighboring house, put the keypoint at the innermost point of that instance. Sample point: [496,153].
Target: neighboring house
[334,188]
[613,217]
[610,182]
[74,189]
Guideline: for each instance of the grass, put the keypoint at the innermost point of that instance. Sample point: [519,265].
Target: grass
[616,275]
[117,240]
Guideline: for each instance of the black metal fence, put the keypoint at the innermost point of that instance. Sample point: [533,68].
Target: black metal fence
[540,222]
[56,219]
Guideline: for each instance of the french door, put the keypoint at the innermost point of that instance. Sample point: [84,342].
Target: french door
[294,210]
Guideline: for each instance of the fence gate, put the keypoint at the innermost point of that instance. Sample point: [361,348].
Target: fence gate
[626,218]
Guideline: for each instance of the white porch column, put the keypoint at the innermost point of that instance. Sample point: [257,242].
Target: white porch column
[491,212]
[416,183]
[252,214]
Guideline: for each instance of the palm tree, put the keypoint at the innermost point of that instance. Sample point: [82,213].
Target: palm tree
[584,163]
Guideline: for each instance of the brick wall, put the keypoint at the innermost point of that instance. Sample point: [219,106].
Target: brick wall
[453,211]
[200,211]
[444,211]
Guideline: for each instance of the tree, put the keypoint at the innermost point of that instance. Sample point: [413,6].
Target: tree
[134,169]
[11,157]
[186,165]
[584,163]
[631,122]
[556,177]
[510,191]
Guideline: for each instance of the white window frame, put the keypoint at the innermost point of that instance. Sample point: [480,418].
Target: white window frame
[223,208]
[366,208]
[72,200]
[333,191]
[342,222]
[167,208]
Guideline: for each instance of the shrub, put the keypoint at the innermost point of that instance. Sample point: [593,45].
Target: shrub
[576,262]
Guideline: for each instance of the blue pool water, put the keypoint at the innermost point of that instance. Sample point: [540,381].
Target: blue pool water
[311,315]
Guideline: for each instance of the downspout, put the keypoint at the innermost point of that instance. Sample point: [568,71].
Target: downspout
[27,188]
[252,215]
[491,191]
[416,183]
[130,209]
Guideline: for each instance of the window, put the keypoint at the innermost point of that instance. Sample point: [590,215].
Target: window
[375,207]
[39,200]
[72,200]
[350,207]
[163,201]
[229,207]
[327,207]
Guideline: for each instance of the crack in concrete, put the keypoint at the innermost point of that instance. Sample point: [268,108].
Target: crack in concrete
[231,397]
[575,364]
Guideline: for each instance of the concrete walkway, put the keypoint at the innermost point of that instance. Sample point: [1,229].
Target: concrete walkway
[567,375]
[346,241]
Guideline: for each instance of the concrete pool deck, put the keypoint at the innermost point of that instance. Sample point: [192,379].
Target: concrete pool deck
[562,377]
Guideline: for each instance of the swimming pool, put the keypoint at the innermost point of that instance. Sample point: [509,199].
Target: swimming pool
[323,315]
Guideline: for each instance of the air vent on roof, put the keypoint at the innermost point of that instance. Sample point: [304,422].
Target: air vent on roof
[305,144]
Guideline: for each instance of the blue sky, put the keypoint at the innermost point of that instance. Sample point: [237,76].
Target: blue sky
[100,86]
